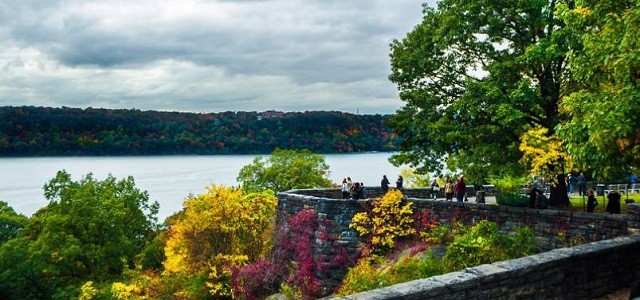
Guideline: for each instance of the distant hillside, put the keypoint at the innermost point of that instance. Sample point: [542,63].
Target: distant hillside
[40,131]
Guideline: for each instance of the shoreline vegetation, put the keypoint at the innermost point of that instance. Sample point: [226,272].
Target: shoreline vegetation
[29,131]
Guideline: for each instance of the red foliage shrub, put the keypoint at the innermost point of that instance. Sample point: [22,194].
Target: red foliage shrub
[292,259]
[257,280]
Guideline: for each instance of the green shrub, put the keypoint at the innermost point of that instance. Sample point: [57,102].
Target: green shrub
[508,185]
[364,276]
[475,247]
[467,247]
[512,200]
[414,267]
[521,244]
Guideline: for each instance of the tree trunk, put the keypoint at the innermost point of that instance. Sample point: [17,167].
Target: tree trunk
[558,193]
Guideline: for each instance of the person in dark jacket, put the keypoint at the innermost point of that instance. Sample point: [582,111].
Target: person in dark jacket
[399,182]
[541,201]
[356,191]
[460,189]
[582,184]
[613,206]
[533,196]
[384,184]
[592,202]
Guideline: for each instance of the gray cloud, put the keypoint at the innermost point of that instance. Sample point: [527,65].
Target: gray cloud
[291,55]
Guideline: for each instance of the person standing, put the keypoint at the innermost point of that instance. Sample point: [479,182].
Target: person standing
[448,190]
[399,182]
[435,188]
[480,195]
[345,189]
[356,191]
[384,184]
[592,202]
[533,196]
[582,184]
[460,189]
[613,206]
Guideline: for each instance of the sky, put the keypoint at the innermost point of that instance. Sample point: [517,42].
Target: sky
[203,56]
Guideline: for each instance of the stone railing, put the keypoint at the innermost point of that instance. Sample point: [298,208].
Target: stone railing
[587,271]
[552,228]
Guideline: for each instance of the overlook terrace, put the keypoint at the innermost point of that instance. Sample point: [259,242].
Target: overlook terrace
[608,261]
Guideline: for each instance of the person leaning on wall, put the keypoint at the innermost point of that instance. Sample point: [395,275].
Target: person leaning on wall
[613,206]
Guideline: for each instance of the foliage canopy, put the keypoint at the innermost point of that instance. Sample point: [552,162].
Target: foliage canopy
[476,75]
[480,78]
[601,130]
[90,230]
[284,170]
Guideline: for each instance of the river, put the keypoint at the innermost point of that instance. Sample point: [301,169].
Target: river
[167,179]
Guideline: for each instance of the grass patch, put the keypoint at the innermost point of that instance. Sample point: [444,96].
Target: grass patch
[577,203]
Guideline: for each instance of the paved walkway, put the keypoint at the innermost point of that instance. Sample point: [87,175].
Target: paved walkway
[487,199]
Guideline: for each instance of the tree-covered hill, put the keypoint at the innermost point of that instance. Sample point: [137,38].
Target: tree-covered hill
[39,131]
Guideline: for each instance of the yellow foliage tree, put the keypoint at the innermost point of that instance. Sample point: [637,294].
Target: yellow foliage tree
[544,153]
[389,220]
[222,228]
[413,179]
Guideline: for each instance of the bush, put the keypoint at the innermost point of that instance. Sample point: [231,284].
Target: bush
[512,200]
[257,280]
[468,247]
[508,185]
[388,221]
[484,244]
[365,276]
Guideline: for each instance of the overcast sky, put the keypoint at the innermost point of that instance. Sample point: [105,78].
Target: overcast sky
[203,56]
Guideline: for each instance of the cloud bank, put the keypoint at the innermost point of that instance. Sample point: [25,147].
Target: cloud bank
[202,56]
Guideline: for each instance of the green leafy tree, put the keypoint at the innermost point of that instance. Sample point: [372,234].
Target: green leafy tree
[11,223]
[90,230]
[285,170]
[475,76]
[603,117]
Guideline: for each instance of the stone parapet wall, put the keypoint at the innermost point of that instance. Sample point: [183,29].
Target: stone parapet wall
[552,228]
[586,271]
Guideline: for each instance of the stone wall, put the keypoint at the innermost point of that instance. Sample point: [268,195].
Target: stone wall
[587,271]
[552,229]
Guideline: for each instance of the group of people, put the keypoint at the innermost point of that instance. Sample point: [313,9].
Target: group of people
[459,188]
[384,183]
[613,203]
[451,189]
[537,198]
[352,190]
[580,182]
[613,198]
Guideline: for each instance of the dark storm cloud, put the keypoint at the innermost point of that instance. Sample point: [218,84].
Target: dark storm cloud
[202,55]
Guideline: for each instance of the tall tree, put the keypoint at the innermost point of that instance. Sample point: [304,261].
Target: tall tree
[602,130]
[475,76]
[285,170]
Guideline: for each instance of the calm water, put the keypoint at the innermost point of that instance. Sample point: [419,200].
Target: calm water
[168,179]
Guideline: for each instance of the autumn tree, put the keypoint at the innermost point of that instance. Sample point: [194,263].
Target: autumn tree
[284,170]
[217,230]
[475,76]
[90,230]
[602,124]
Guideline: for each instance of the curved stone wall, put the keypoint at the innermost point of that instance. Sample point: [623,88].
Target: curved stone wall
[548,225]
